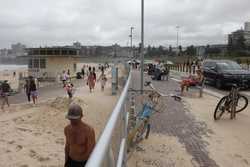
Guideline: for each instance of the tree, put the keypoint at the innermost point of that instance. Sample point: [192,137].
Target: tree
[191,51]
[170,49]
[180,48]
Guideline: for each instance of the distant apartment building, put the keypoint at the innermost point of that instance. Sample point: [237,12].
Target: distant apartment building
[18,49]
[236,35]
[4,52]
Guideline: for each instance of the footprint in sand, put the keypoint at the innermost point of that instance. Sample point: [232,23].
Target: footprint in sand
[32,153]
[11,142]
[60,141]
[7,151]
[37,134]
[42,159]
[24,166]
[19,147]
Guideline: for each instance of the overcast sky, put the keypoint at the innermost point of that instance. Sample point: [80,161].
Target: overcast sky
[105,22]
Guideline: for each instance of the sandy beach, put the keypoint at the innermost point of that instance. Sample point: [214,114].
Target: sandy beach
[33,135]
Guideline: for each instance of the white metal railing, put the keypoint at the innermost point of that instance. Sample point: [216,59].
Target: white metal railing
[103,154]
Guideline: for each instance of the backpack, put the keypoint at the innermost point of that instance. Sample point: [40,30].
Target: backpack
[5,87]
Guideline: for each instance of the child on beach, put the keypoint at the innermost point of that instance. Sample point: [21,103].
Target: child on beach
[103,80]
[69,89]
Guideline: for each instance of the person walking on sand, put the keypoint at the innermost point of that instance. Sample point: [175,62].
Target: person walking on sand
[33,91]
[27,88]
[80,138]
[4,91]
[69,89]
[83,71]
[103,80]
[89,71]
[91,81]
[64,78]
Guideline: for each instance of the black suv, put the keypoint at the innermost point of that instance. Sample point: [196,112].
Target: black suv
[224,73]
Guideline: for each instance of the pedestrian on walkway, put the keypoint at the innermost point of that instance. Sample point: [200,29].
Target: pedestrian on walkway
[80,138]
[4,92]
[103,80]
[27,89]
[33,90]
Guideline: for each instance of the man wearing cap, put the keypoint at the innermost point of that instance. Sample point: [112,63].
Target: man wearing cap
[80,138]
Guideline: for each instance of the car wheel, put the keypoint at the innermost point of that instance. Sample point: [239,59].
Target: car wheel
[218,84]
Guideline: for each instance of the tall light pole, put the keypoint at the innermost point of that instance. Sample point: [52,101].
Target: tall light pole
[131,40]
[142,44]
[177,37]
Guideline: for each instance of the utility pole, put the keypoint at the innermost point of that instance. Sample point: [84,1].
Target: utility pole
[142,44]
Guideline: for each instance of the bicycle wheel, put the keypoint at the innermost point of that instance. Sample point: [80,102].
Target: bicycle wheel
[220,108]
[148,131]
[139,132]
[242,103]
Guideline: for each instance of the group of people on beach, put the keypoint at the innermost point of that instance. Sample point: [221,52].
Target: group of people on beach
[91,79]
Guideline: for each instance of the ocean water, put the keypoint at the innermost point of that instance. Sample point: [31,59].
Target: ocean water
[4,67]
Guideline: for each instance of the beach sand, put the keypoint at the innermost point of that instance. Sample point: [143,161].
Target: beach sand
[32,136]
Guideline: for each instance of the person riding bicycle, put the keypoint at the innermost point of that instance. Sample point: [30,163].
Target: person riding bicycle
[192,81]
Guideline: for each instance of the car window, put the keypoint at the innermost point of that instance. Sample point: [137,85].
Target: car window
[224,66]
[209,64]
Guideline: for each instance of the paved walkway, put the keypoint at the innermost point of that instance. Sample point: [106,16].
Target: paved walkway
[177,121]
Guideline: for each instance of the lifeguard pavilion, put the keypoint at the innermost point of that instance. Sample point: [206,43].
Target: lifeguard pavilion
[49,62]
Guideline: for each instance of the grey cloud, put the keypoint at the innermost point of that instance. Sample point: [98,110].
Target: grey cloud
[58,22]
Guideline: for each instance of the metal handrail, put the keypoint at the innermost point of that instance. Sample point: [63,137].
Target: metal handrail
[102,147]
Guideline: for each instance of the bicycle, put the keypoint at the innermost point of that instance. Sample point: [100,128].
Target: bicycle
[139,124]
[233,103]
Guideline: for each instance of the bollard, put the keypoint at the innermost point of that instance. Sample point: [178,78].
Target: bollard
[193,69]
[114,90]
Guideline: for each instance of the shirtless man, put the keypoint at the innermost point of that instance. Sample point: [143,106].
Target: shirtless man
[80,138]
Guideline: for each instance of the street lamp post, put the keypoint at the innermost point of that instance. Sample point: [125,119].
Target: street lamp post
[142,44]
[131,40]
[177,37]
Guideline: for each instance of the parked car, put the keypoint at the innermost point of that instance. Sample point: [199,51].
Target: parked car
[225,73]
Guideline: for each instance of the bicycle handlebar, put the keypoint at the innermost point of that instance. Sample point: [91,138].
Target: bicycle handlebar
[148,83]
